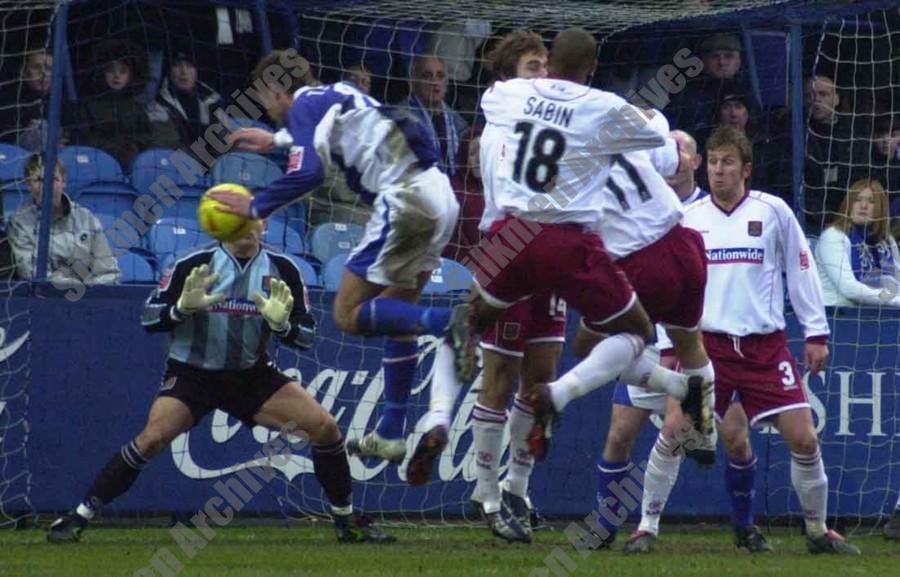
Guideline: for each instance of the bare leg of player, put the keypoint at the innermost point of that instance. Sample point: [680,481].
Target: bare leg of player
[292,410]
[168,418]
[613,466]
[810,482]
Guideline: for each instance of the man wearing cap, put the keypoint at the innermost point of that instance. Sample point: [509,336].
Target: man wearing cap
[189,102]
[694,108]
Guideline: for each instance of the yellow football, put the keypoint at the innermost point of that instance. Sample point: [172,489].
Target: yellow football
[219,224]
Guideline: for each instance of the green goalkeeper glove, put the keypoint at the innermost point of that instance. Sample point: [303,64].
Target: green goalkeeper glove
[193,296]
[277,308]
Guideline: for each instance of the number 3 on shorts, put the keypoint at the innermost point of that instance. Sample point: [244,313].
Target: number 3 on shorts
[788,379]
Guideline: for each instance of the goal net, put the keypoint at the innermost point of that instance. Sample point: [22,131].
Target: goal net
[676,55]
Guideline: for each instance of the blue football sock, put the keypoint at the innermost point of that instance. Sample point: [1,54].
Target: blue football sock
[609,497]
[399,361]
[394,317]
[739,484]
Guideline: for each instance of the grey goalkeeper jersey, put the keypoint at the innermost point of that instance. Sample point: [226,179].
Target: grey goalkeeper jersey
[231,335]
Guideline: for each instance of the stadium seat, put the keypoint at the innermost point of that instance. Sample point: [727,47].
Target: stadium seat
[452,276]
[12,162]
[245,168]
[333,238]
[333,271]
[310,278]
[248,123]
[86,165]
[14,194]
[151,164]
[283,238]
[110,198]
[171,236]
[135,269]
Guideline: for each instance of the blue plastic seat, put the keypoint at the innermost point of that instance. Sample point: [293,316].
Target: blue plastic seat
[14,195]
[171,236]
[152,164]
[244,168]
[108,198]
[135,269]
[283,238]
[333,238]
[333,272]
[310,278]
[86,165]
[452,276]
[12,162]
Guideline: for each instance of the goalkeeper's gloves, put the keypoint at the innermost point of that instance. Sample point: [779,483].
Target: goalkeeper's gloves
[194,296]
[277,308]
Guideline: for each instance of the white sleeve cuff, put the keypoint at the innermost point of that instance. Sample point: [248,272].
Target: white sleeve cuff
[283,139]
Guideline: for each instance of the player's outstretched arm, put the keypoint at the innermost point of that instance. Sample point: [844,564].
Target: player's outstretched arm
[252,139]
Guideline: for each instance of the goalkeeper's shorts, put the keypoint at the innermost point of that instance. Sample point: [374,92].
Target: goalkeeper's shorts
[241,394]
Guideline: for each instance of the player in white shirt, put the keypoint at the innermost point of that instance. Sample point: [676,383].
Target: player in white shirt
[521,348]
[669,278]
[752,239]
[556,137]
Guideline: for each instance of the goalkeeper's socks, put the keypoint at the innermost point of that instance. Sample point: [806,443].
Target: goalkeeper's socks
[611,495]
[394,317]
[115,478]
[739,479]
[333,472]
[399,362]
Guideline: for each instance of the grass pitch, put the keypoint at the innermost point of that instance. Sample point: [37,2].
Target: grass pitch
[270,551]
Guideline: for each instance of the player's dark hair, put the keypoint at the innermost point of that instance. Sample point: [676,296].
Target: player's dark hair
[284,70]
[504,56]
[724,136]
[574,52]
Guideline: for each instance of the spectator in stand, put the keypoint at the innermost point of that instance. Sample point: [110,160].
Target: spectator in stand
[115,118]
[359,74]
[78,246]
[470,195]
[828,152]
[879,160]
[189,102]
[857,255]
[23,119]
[771,154]
[693,109]
[428,86]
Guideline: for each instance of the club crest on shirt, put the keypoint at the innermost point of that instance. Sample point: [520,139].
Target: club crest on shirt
[511,331]
[267,283]
[295,159]
[804,260]
[754,228]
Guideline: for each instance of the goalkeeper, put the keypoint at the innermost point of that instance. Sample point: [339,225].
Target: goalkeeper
[220,304]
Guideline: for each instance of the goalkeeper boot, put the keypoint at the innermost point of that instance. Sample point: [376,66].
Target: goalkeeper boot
[464,343]
[892,529]
[429,448]
[697,404]
[705,451]
[639,543]
[545,415]
[831,543]
[359,530]
[507,526]
[67,529]
[751,539]
[374,445]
